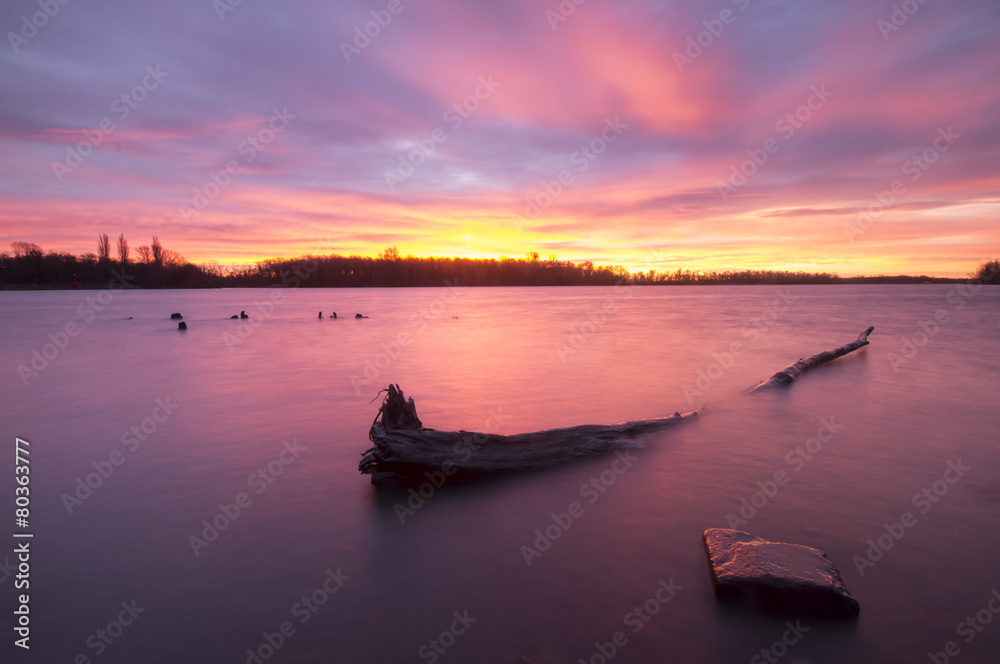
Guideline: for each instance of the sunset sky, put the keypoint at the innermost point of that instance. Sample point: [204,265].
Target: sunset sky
[235,131]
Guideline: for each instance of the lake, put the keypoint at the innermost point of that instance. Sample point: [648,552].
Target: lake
[194,496]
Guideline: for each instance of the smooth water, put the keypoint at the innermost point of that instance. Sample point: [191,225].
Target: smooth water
[507,360]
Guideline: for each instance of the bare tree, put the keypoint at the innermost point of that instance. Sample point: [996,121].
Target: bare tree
[103,248]
[212,268]
[145,255]
[122,250]
[25,249]
[172,258]
[156,249]
[390,254]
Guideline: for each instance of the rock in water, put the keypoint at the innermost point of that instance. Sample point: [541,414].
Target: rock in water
[786,579]
[175,316]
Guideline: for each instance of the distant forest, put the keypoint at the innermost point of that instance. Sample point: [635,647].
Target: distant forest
[27,266]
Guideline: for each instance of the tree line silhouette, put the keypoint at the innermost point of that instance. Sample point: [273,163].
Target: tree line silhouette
[28,266]
[153,266]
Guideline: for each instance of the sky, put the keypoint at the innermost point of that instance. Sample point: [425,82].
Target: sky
[857,137]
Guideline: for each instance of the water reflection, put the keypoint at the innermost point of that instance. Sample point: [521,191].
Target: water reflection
[462,549]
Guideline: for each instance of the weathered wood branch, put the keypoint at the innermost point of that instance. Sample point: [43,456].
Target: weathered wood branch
[790,373]
[406,452]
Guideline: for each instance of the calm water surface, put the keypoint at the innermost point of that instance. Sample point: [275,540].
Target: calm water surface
[510,360]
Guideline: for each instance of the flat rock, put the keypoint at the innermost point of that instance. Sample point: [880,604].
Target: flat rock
[779,578]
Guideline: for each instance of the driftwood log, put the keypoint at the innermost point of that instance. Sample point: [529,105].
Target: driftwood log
[405,452]
[790,373]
